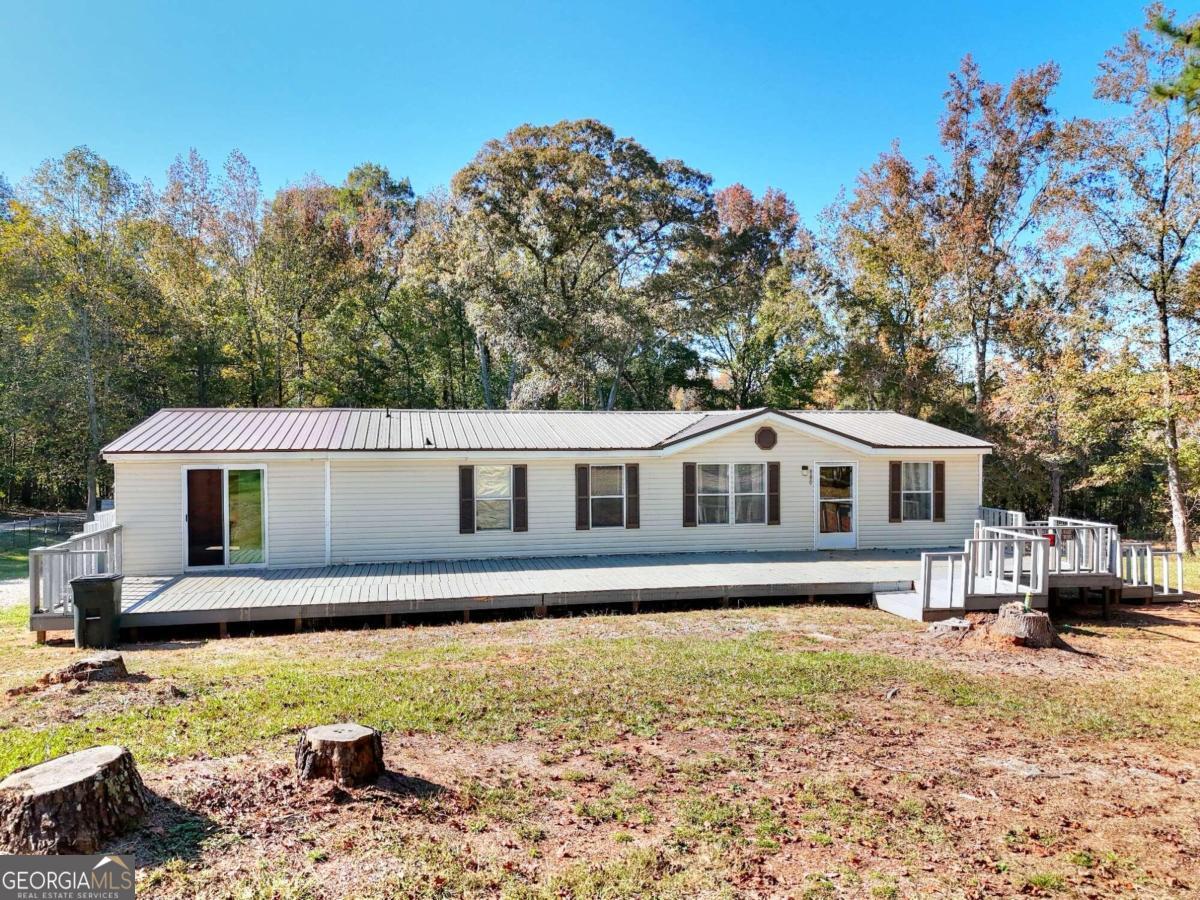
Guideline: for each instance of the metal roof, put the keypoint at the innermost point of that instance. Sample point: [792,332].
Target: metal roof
[328,430]
[885,429]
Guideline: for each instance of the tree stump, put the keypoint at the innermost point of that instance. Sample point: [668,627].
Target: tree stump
[348,754]
[107,665]
[71,804]
[1025,628]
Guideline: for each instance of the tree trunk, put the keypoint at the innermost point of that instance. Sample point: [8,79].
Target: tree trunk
[1055,488]
[347,753]
[980,340]
[512,382]
[485,370]
[612,391]
[1176,490]
[93,413]
[72,804]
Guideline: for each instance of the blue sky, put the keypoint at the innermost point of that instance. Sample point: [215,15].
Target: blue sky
[800,96]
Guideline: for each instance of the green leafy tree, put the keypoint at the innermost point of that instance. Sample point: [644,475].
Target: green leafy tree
[1185,83]
[992,189]
[566,231]
[886,289]
[1133,182]
[745,307]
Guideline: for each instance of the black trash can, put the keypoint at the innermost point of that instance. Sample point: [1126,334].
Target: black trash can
[97,609]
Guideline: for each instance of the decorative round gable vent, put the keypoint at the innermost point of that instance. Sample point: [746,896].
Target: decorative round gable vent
[765,437]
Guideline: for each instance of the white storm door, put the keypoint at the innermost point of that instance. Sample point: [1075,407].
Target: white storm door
[837,506]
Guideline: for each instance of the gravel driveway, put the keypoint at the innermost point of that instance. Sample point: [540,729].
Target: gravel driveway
[13,592]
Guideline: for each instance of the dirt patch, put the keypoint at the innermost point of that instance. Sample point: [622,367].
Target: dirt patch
[886,805]
[975,652]
[87,687]
[1088,647]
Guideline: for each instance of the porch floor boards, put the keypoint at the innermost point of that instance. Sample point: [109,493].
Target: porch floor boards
[250,595]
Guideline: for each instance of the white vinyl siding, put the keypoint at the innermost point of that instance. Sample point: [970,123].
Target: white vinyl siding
[403,509]
[296,513]
[962,505]
[148,499]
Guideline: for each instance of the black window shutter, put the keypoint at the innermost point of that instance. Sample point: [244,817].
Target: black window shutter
[894,492]
[633,516]
[939,492]
[520,498]
[772,493]
[689,495]
[583,513]
[466,499]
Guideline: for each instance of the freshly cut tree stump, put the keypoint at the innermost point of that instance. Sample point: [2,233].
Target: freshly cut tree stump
[348,754]
[1025,628]
[71,804]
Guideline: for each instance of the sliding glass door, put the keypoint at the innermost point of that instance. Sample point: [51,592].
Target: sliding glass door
[205,517]
[225,521]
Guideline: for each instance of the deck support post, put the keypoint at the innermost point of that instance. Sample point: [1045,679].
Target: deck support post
[223,629]
[387,620]
[297,625]
[1105,598]
[539,611]
[466,617]
[39,637]
[812,598]
[725,602]
[635,605]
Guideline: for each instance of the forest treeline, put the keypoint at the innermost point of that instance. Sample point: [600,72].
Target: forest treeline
[1034,282]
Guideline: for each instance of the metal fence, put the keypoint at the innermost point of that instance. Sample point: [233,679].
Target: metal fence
[25,530]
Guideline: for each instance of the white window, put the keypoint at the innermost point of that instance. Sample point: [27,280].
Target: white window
[742,486]
[493,498]
[608,496]
[750,494]
[712,494]
[916,492]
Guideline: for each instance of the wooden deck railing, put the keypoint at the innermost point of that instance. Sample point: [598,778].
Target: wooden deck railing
[1139,562]
[1001,518]
[52,568]
[995,562]
[106,518]
[1079,547]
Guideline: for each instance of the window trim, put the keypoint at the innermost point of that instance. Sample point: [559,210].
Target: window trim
[476,499]
[592,495]
[731,494]
[903,493]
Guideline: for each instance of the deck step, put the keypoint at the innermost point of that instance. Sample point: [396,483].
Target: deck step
[906,604]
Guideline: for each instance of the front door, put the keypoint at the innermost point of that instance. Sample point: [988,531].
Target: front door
[836,501]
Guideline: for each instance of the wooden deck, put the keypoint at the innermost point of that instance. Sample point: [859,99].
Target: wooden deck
[492,584]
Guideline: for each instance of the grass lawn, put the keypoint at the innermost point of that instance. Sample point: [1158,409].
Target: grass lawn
[801,751]
[14,561]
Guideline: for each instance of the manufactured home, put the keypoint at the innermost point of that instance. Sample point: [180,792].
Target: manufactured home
[200,489]
[248,514]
